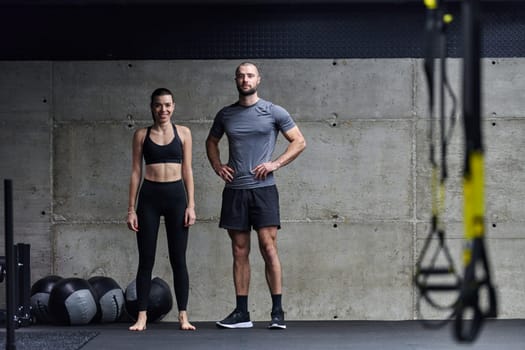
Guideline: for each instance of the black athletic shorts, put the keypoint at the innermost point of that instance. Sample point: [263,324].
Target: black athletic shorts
[243,209]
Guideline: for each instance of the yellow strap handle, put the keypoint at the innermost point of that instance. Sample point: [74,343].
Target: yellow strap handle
[474,206]
[431,4]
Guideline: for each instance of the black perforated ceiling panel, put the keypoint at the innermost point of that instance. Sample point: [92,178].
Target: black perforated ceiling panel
[375,30]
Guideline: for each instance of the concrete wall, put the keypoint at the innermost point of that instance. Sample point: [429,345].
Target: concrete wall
[355,205]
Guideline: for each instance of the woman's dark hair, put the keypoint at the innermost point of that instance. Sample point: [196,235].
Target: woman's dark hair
[160,92]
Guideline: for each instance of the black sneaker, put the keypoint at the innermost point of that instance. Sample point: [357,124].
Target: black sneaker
[277,321]
[237,319]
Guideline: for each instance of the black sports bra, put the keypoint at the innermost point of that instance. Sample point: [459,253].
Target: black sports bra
[170,153]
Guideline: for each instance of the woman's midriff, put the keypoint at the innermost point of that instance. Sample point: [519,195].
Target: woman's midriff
[163,172]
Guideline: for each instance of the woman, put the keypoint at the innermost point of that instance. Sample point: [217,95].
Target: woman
[167,190]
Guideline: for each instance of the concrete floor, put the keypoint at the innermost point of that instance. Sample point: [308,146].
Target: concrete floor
[303,335]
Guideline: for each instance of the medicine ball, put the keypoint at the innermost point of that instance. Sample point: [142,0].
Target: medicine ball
[40,292]
[109,297]
[72,302]
[160,300]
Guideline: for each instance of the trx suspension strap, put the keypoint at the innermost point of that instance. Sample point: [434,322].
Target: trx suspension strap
[435,272]
[476,295]
[471,309]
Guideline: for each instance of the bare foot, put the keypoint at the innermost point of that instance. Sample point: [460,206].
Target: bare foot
[140,325]
[184,323]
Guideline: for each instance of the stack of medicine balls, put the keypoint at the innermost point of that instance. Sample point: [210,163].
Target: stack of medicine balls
[76,301]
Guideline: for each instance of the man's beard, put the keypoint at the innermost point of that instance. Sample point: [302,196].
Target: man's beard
[246,92]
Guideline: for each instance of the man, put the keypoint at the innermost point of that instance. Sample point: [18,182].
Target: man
[250,198]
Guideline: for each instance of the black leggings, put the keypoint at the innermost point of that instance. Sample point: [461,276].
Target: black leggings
[158,199]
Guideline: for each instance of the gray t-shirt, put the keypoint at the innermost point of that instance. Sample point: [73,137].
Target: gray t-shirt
[252,132]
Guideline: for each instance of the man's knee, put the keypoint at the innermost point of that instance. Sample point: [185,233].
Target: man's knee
[269,252]
[240,251]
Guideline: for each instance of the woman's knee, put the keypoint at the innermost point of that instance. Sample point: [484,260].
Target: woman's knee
[146,264]
[178,263]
